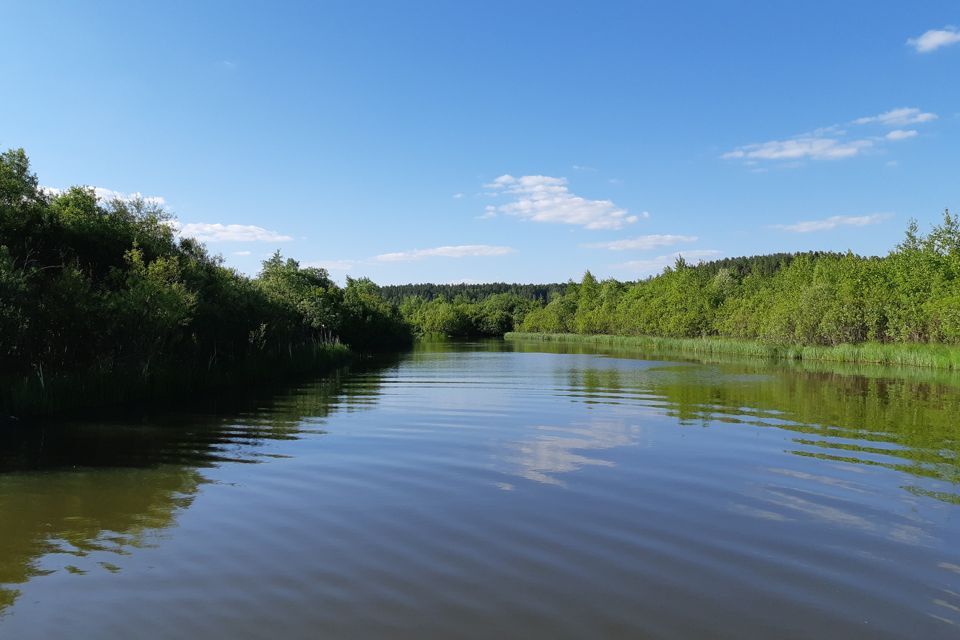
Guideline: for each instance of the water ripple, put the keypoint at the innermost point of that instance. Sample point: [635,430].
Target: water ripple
[469,493]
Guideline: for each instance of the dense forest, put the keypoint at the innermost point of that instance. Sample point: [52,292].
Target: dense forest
[911,295]
[472,292]
[102,301]
[461,317]
[469,310]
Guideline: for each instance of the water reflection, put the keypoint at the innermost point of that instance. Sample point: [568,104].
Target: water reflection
[903,420]
[79,497]
[465,489]
[555,450]
[84,521]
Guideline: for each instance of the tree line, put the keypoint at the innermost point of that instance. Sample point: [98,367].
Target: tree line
[107,290]
[461,317]
[911,295]
[473,292]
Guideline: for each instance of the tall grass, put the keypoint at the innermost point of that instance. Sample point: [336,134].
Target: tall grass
[908,355]
[35,395]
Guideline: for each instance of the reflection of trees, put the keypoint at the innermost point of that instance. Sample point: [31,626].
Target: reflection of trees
[438,345]
[207,434]
[907,425]
[78,497]
[901,419]
[557,449]
[77,514]
[904,420]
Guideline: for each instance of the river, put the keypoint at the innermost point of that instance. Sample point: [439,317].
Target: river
[494,489]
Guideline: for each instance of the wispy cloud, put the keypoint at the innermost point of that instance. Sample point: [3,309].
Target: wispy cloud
[833,222]
[583,167]
[451,251]
[548,199]
[935,39]
[457,196]
[901,134]
[216,232]
[652,266]
[106,195]
[833,142]
[801,148]
[899,117]
[643,243]
[242,253]
[455,251]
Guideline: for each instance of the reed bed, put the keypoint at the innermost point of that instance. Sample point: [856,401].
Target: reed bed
[169,384]
[931,356]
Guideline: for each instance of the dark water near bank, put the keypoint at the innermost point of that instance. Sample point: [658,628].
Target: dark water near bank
[496,490]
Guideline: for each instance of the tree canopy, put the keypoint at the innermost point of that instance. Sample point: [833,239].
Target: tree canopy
[815,298]
[109,288]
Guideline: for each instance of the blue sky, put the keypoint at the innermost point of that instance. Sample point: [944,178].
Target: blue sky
[481,141]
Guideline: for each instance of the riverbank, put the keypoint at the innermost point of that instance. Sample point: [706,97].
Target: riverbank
[929,356]
[39,396]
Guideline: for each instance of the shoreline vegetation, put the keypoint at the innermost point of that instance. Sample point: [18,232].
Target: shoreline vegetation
[30,397]
[902,309]
[929,356]
[102,302]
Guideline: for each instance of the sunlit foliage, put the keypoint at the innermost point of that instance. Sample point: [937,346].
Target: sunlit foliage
[910,296]
[107,290]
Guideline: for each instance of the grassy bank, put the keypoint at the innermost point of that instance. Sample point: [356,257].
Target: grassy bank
[909,355]
[38,396]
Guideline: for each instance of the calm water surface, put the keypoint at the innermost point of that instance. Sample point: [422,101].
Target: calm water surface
[498,490]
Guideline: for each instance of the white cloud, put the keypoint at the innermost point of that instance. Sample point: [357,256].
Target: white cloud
[833,222]
[934,39]
[457,251]
[457,196]
[815,148]
[106,195]
[216,232]
[548,199]
[652,266]
[901,134]
[899,117]
[582,167]
[833,142]
[241,253]
[643,243]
